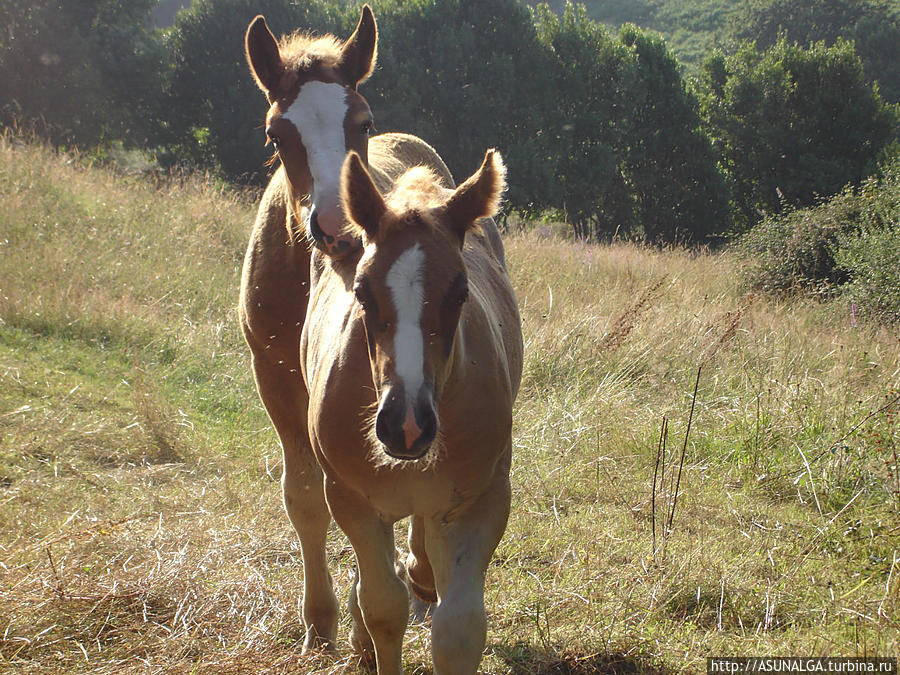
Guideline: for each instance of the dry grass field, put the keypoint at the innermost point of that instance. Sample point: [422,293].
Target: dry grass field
[141,529]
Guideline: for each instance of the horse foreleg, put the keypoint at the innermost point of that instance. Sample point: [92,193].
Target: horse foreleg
[382,597]
[460,552]
[286,401]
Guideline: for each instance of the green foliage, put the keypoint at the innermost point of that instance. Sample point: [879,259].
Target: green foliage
[873,26]
[793,251]
[80,70]
[681,193]
[214,112]
[591,70]
[870,253]
[792,124]
[466,75]
[691,28]
[848,246]
[631,157]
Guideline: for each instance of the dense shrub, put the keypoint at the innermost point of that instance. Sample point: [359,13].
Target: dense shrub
[793,251]
[466,75]
[848,245]
[793,124]
[872,25]
[870,254]
[630,154]
[80,71]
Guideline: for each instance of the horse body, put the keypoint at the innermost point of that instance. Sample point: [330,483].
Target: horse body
[276,272]
[457,488]
[376,438]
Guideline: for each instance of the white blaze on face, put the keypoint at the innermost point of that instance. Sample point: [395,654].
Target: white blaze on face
[318,112]
[405,281]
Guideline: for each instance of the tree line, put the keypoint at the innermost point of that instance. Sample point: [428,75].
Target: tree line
[600,129]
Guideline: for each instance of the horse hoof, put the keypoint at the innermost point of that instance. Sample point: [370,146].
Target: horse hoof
[314,643]
[365,652]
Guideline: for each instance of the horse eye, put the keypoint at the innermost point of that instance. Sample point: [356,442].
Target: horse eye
[367,128]
[462,296]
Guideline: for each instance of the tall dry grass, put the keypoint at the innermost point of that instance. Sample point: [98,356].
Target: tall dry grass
[140,521]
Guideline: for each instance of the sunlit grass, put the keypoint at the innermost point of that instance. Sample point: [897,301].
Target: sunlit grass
[140,519]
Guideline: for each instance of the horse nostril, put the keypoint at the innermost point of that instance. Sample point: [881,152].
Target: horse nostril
[404,433]
[314,225]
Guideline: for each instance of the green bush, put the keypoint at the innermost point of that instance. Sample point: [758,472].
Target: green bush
[793,124]
[872,25]
[793,251]
[625,135]
[848,246]
[80,71]
[870,254]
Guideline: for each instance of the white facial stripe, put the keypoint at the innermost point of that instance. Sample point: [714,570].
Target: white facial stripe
[318,113]
[405,281]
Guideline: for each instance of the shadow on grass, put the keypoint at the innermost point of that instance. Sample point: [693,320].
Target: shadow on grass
[525,659]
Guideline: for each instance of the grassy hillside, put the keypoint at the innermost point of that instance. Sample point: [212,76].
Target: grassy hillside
[691,29]
[140,521]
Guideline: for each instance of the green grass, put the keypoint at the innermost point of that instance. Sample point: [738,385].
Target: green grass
[140,519]
[691,28]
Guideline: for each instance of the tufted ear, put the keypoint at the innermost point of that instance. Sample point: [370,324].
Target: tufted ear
[358,53]
[363,204]
[478,197]
[263,55]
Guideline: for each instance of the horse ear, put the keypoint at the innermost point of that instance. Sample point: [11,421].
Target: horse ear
[263,55]
[363,204]
[478,197]
[358,53]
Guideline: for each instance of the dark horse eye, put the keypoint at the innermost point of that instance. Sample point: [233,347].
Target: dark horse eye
[367,128]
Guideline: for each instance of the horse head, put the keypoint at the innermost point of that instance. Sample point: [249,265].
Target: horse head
[316,116]
[411,284]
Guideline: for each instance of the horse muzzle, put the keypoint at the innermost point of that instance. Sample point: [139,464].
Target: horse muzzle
[328,234]
[405,427]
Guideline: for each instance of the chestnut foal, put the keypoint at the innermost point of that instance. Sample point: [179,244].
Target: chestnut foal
[315,117]
[412,356]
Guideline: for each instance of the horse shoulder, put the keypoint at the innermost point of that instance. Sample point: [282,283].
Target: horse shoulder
[275,275]
[495,312]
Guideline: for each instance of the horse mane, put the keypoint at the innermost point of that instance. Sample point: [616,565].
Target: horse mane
[416,193]
[418,189]
[303,51]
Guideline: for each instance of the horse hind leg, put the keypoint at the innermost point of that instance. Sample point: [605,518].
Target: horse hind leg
[286,401]
[360,640]
[419,573]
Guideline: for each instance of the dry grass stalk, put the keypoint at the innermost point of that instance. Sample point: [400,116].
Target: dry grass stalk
[670,497]
[625,322]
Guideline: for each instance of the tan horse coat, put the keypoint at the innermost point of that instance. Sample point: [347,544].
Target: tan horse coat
[275,282]
[459,491]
